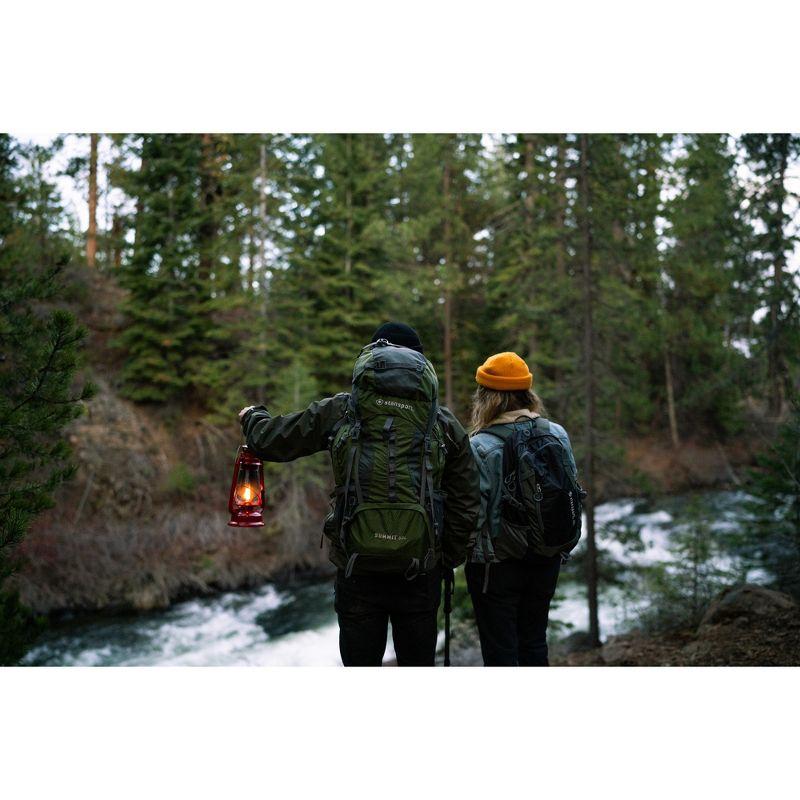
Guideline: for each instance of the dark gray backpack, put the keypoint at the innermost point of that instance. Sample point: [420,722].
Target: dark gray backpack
[541,503]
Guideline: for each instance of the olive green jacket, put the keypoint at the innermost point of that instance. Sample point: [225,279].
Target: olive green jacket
[291,436]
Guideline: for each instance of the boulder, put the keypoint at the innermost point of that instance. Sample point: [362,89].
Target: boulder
[746,600]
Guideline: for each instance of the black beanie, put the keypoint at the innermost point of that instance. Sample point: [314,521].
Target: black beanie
[398,333]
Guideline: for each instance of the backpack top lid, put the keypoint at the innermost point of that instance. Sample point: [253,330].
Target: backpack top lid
[392,370]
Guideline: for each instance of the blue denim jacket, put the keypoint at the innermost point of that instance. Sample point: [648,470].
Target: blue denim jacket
[488,452]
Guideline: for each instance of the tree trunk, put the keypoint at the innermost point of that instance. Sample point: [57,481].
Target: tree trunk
[447,332]
[348,199]
[530,176]
[775,365]
[262,212]
[91,234]
[448,348]
[206,229]
[140,203]
[117,239]
[673,417]
[264,287]
[561,268]
[252,263]
[588,360]
[561,208]
[529,204]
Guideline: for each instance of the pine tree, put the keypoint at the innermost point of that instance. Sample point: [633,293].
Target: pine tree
[437,285]
[532,284]
[706,243]
[184,269]
[770,156]
[338,248]
[774,486]
[627,203]
[618,201]
[39,348]
[589,341]
[91,233]
[83,169]
[255,187]
[680,589]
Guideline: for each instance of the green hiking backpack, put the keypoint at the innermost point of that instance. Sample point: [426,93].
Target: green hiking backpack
[388,458]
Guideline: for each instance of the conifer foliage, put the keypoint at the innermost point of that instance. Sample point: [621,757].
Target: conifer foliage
[649,280]
[39,350]
[774,486]
[169,276]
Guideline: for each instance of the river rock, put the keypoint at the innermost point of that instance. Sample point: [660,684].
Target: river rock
[746,600]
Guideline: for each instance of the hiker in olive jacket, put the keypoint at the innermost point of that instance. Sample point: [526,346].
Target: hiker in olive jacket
[365,603]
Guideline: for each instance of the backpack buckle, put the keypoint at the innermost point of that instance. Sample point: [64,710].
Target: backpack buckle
[412,570]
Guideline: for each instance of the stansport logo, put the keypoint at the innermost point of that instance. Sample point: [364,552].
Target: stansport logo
[394,403]
[392,537]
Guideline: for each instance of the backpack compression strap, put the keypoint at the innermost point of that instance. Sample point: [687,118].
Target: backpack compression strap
[426,474]
[389,435]
[350,501]
[449,589]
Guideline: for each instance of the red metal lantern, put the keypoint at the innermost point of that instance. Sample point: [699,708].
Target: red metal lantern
[247,501]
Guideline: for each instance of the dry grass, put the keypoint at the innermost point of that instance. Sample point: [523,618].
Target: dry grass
[127,533]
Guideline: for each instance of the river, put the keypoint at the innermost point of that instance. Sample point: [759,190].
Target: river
[295,625]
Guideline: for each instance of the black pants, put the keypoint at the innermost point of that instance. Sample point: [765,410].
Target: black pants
[512,614]
[366,603]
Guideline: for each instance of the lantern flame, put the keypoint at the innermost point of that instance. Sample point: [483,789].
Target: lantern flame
[246,494]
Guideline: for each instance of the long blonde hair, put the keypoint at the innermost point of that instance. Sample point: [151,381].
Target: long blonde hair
[488,404]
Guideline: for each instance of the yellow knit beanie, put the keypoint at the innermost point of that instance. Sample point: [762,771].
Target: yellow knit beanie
[505,372]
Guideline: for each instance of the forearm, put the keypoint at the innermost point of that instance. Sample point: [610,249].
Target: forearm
[290,436]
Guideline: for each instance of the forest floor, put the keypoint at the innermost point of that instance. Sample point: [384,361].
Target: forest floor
[744,626]
[738,643]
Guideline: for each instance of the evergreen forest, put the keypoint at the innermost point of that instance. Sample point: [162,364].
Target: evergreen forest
[151,285]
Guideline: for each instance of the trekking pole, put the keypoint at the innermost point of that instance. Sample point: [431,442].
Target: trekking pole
[449,586]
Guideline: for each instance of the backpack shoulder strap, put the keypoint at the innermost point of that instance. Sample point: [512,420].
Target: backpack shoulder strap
[499,431]
[338,424]
[504,431]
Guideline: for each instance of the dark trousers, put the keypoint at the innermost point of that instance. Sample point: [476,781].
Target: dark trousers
[366,603]
[512,614]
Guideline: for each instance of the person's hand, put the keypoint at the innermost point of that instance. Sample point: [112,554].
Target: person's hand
[244,411]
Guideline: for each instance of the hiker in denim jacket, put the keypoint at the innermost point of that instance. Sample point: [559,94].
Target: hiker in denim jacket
[511,594]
